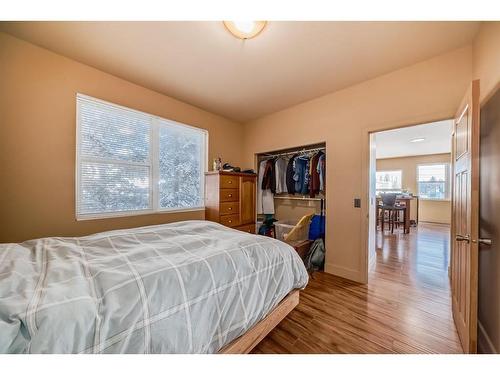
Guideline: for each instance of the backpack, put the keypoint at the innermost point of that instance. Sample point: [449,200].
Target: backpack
[315,259]
[317,226]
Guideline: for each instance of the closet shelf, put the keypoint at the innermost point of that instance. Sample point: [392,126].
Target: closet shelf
[301,151]
[298,198]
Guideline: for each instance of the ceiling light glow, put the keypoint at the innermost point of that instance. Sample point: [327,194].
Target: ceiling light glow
[244,26]
[416,140]
[245,29]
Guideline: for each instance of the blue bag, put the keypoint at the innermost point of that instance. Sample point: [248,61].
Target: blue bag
[317,226]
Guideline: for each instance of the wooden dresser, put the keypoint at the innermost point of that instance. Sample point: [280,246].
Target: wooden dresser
[230,199]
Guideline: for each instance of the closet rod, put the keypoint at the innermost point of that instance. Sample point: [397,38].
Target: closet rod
[294,152]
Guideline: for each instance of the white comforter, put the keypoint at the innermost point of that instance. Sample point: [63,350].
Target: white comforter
[187,287]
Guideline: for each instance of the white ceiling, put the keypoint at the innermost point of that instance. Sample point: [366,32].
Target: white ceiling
[396,143]
[288,63]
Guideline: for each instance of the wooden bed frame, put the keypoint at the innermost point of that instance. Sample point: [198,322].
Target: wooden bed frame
[249,340]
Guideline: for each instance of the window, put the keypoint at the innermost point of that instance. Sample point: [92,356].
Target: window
[433,181]
[129,162]
[388,181]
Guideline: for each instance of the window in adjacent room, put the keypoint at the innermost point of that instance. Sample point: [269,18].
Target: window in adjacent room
[130,162]
[433,181]
[389,181]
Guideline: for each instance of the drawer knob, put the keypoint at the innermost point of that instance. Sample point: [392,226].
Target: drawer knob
[230,195]
[230,208]
[229,221]
[230,182]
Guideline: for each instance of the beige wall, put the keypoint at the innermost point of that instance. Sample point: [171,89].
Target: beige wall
[428,91]
[486,67]
[288,209]
[429,210]
[486,58]
[37,139]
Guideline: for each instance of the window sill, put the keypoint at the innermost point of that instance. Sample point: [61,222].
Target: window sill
[434,200]
[112,215]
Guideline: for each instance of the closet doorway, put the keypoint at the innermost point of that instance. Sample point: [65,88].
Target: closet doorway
[291,191]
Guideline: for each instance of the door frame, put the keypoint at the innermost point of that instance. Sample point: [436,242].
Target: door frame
[367,207]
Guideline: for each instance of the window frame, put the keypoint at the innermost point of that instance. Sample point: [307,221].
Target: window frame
[447,182]
[389,170]
[153,163]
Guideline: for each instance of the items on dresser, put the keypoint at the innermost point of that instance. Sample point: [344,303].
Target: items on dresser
[229,168]
[217,166]
[230,199]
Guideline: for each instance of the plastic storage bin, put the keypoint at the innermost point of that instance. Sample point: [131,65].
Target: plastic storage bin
[283,227]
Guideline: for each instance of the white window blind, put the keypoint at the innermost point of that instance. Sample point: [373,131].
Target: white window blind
[433,181]
[129,162]
[389,181]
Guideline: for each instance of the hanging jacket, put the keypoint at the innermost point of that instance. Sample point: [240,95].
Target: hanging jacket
[301,175]
[269,177]
[265,199]
[321,169]
[280,167]
[314,182]
[290,182]
[307,177]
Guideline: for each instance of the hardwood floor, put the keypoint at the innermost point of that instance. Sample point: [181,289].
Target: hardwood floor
[405,308]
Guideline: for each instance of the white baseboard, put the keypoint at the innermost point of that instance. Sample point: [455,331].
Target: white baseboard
[372,261]
[484,344]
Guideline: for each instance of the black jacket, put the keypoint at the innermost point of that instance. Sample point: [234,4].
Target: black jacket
[269,178]
[290,182]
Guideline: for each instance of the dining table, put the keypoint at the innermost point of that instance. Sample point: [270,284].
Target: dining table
[402,200]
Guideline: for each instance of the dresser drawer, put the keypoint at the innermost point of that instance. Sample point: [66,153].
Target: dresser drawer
[249,228]
[228,208]
[229,195]
[228,182]
[230,220]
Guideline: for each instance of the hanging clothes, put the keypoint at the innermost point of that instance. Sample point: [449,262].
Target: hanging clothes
[265,198]
[321,169]
[281,169]
[290,182]
[307,177]
[301,175]
[269,177]
[314,182]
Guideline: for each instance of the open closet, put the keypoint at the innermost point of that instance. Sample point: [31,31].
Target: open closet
[291,186]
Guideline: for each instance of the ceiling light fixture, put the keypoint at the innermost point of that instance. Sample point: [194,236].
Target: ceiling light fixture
[416,140]
[245,29]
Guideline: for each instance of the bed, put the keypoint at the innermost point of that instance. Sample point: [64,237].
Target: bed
[186,287]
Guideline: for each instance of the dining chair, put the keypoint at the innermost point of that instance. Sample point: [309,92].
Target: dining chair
[389,204]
